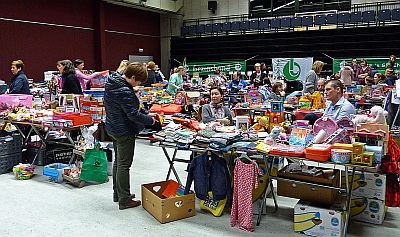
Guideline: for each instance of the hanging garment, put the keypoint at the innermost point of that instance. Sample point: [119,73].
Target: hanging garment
[245,179]
[391,168]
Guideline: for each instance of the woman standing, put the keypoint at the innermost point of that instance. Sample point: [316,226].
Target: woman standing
[70,83]
[83,78]
[312,77]
[362,72]
[19,82]
[215,111]
[123,121]
[176,81]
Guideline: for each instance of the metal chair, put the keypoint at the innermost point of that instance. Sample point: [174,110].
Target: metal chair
[235,26]
[332,18]
[320,19]
[296,21]
[244,25]
[355,17]
[344,17]
[254,25]
[307,21]
[368,16]
[285,22]
[276,23]
[384,15]
[396,14]
[216,27]
[226,26]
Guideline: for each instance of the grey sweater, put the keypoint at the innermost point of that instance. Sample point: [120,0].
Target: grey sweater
[207,115]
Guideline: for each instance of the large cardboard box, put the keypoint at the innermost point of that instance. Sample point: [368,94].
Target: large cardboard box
[307,192]
[166,209]
[370,185]
[367,210]
[319,220]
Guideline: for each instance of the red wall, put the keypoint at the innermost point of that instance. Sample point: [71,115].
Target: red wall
[41,46]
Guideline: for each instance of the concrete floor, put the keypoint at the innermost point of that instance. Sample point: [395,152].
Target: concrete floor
[37,207]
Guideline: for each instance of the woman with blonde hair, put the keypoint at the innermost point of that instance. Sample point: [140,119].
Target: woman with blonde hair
[312,77]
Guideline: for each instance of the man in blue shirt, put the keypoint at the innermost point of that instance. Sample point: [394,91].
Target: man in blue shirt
[236,84]
[339,106]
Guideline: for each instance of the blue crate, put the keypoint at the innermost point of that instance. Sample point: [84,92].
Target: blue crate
[54,171]
[7,162]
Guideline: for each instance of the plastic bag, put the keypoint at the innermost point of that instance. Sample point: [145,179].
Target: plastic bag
[94,168]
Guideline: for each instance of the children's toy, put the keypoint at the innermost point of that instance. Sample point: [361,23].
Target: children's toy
[340,156]
[318,152]
[305,101]
[23,171]
[262,124]
[317,100]
[276,106]
[325,123]
[253,97]
[377,115]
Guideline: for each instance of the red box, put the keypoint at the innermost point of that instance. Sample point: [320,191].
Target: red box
[318,152]
[77,118]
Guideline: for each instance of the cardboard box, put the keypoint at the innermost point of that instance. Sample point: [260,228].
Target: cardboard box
[319,220]
[166,209]
[309,192]
[367,210]
[370,185]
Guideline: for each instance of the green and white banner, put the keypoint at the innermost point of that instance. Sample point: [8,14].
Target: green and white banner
[291,68]
[207,68]
[379,62]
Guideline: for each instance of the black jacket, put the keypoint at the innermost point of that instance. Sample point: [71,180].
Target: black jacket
[71,84]
[150,78]
[209,173]
[19,84]
[123,115]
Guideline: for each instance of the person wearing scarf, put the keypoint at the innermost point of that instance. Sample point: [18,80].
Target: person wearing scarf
[215,111]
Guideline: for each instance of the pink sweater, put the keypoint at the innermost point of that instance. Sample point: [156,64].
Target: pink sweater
[83,78]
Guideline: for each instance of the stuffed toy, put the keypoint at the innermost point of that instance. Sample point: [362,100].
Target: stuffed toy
[377,115]
[262,124]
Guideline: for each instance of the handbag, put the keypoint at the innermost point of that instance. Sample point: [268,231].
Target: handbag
[101,134]
[94,167]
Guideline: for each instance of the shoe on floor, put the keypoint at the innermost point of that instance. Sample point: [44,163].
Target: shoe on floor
[115,197]
[132,203]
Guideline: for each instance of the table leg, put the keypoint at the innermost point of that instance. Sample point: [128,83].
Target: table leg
[349,190]
[171,164]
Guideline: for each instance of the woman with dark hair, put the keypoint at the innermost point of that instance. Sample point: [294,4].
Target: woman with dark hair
[19,82]
[277,93]
[124,120]
[70,83]
[79,64]
[362,72]
[216,111]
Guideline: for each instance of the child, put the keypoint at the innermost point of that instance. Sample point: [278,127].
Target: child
[277,92]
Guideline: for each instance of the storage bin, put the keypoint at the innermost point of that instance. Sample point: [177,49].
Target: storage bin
[54,171]
[340,156]
[7,162]
[10,144]
[318,152]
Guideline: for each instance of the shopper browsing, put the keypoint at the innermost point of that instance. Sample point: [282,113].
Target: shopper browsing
[176,81]
[312,77]
[84,79]
[123,121]
[215,111]
[277,92]
[339,106]
[19,82]
[70,82]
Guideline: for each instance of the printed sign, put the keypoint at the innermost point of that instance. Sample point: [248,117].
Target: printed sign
[207,68]
[291,68]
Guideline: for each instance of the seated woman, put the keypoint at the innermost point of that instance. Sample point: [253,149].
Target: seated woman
[215,111]
[277,93]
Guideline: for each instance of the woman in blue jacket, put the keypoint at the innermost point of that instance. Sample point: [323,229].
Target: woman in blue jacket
[19,82]
[123,121]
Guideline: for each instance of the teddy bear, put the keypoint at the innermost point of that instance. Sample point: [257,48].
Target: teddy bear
[377,115]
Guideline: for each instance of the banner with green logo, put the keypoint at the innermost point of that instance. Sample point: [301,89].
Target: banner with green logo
[291,68]
[379,62]
[207,68]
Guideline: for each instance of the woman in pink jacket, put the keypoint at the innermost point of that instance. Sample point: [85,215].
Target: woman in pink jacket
[82,77]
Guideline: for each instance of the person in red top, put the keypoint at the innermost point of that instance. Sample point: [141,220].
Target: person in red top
[362,72]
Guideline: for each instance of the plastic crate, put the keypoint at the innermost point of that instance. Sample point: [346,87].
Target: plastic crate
[10,145]
[42,158]
[7,162]
[54,171]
